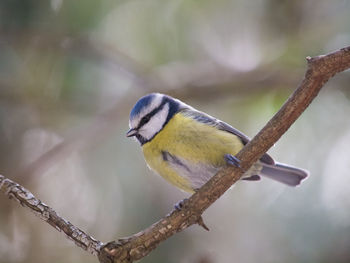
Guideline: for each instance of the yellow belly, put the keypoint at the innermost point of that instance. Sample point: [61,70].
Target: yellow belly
[191,141]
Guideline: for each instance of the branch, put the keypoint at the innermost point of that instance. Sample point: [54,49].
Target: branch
[27,199]
[320,69]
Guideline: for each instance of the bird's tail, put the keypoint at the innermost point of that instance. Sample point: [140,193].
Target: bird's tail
[283,173]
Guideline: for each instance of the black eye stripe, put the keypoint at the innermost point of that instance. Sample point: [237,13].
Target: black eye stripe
[144,120]
[147,117]
[174,107]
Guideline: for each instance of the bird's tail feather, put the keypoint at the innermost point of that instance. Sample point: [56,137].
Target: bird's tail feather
[283,173]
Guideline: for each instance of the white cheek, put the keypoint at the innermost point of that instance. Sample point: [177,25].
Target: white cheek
[156,101]
[155,124]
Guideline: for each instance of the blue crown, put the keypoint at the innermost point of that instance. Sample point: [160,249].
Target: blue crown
[141,104]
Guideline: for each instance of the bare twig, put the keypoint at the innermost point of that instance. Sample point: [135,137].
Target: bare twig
[27,199]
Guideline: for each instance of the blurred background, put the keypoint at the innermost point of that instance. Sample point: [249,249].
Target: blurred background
[70,71]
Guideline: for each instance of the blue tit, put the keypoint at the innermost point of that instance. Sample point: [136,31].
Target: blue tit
[187,147]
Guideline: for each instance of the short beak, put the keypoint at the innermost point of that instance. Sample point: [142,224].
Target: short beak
[131,132]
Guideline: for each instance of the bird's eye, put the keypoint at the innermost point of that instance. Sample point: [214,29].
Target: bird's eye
[146,119]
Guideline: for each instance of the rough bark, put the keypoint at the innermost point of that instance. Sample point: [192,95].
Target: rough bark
[27,199]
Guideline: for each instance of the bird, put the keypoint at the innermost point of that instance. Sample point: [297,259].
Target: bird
[187,147]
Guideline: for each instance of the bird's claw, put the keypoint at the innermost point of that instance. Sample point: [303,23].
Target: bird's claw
[179,205]
[233,160]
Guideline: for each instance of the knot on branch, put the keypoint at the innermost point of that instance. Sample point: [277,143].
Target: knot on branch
[114,252]
[133,248]
[326,66]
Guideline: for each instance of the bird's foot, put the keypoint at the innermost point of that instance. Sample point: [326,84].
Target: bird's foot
[233,160]
[179,205]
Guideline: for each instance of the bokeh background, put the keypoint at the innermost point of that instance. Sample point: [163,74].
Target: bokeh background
[70,71]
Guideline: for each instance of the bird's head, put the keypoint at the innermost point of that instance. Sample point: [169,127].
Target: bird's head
[150,114]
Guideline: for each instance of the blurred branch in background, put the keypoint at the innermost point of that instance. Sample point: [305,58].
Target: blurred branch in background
[104,55]
[89,136]
[179,78]
[105,122]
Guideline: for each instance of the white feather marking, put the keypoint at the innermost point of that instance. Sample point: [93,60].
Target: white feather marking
[155,124]
[155,103]
[200,173]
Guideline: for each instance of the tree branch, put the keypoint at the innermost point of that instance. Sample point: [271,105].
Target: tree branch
[320,70]
[27,199]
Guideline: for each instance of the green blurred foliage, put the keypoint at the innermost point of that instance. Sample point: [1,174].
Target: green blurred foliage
[70,72]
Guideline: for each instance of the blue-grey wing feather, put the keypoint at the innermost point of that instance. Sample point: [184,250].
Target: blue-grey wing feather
[207,119]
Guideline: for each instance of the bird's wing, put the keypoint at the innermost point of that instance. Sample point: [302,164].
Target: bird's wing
[207,119]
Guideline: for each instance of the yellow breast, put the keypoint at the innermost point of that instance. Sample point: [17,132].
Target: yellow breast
[192,141]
